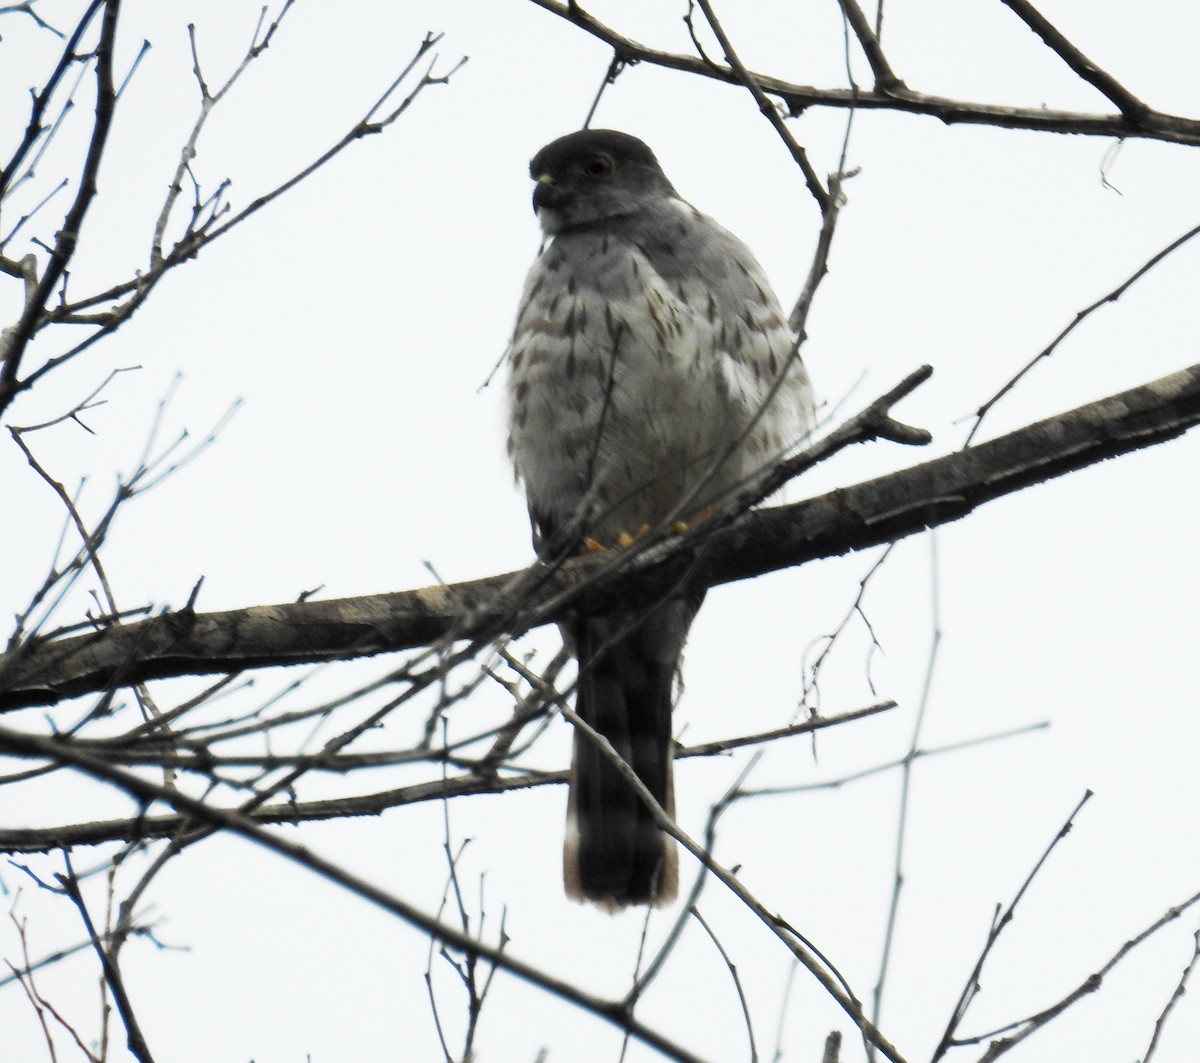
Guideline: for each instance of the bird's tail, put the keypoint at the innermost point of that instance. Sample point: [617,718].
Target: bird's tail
[614,854]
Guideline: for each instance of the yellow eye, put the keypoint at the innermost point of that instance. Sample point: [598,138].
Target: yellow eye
[600,167]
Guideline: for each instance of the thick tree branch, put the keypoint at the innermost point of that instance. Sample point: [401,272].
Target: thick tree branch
[851,518]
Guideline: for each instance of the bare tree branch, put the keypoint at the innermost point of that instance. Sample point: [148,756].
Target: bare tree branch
[851,518]
[1076,321]
[119,302]
[1021,1029]
[1002,919]
[885,79]
[1153,125]
[113,979]
[35,127]
[811,958]
[1177,995]
[768,109]
[906,782]
[731,967]
[14,340]
[15,743]
[482,778]
[1130,106]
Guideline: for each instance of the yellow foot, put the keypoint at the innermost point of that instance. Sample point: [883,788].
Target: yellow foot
[681,526]
[625,539]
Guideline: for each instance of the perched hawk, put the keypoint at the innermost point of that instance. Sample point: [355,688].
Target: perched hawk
[652,374]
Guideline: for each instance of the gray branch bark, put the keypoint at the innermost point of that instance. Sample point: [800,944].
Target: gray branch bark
[851,518]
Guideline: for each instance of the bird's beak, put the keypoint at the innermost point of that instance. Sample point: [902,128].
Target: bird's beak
[545,194]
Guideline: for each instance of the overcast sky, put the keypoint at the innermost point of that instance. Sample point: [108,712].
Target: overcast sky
[358,319]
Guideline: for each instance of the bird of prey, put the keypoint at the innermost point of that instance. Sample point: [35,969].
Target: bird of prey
[652,375]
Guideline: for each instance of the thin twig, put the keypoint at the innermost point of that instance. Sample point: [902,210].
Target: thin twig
[26,8]
[1079,318]
[1175,998]
[906,775]
[1001,920]
[768,109]
[90,540]
[810,695]
[890,765]
[1023,1028]
[785,1000]
[731,967]
[817,723]
[135,1039]
[819,267]
[615,68]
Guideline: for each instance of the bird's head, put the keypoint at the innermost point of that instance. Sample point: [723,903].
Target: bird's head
[593,175]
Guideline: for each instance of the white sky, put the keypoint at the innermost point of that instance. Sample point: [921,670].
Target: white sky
[357,319]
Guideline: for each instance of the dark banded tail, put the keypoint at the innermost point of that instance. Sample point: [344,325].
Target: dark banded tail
[614,854]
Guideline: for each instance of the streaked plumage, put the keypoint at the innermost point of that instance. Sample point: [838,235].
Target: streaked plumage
[652,373]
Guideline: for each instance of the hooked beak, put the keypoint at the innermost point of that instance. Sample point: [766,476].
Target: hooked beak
[545,194]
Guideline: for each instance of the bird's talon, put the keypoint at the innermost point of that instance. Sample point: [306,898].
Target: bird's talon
[596,548]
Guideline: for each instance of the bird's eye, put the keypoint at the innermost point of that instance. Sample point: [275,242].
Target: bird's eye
[600,167]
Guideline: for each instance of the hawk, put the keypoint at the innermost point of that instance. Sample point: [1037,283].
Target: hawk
[652,375]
